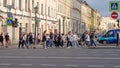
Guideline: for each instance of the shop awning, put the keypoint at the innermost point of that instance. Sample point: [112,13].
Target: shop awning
[1,18]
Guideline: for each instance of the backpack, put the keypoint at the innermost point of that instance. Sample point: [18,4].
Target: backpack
[67,38]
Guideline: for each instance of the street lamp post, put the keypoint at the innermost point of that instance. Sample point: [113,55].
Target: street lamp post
[35,34]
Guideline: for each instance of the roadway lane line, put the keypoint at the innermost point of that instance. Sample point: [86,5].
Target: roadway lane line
[28,57]
[49,65]
[95,66]
[71,65]
[108,52]
[5,64]
[114,54]
[117,66]
[25,64]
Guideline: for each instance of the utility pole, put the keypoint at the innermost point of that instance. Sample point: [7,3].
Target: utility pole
[35,34]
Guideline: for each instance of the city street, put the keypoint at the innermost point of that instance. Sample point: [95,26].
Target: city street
[47,33]
[59,58]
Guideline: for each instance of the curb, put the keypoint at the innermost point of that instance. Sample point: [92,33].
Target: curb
[105,47]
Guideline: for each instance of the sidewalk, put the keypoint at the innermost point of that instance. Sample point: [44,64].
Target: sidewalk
[105,47]
[99,46]
[16,46]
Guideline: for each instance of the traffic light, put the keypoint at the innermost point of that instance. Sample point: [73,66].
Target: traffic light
[15,23]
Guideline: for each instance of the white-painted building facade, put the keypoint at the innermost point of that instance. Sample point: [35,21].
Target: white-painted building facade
[76,16]
[53,15]
[24,11]
[108,23]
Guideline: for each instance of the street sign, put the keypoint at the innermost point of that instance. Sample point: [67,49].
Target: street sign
[114,6]
[114,15]
[38,21]
[9,21]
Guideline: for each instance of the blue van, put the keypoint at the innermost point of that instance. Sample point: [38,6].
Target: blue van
[109,37]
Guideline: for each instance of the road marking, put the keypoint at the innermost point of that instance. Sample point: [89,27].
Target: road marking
[27,57]
[51,65]
[25,64]
[95,65]
[98,54]
[83,54]
[71,65]
[114,54]
[117,66]
[108,52]
[93,52]
[5,64]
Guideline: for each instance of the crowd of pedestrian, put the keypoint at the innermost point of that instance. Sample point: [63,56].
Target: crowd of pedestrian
[53,40]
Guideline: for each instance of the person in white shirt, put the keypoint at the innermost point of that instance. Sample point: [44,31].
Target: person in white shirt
[75,40]
[87,39]
[69,40]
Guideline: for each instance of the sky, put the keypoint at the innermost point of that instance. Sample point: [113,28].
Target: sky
[101,5]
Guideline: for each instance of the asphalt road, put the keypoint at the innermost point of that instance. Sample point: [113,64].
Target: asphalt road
[60,58]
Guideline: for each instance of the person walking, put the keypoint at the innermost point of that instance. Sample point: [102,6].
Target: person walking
[118,39]
[44,39]
[20,41]
[47,40]
[56,40]
[69,40]
[92,39]
[87,39]
[75,40]
[62,40]
[7,40]
[38,39]
[1,39]
[30,40]
[51,39]
[83,39]
[24,41]
[59,39]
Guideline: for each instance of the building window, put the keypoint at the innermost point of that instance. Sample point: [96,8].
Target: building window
[0,3]
[51,14]
[33,28]
[58,8]
[13,3]
[42,9]
[38,6]
[20,2]
[49,11]
[26,5]
[5,3]
[26,25]
[32,5]
[54,13]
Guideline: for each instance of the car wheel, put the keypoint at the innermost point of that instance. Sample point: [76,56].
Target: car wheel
[104,42]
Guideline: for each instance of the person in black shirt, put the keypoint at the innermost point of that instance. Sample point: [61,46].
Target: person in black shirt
[92,39]
[44,39]
[1,39]
[117,43]
[7,40]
